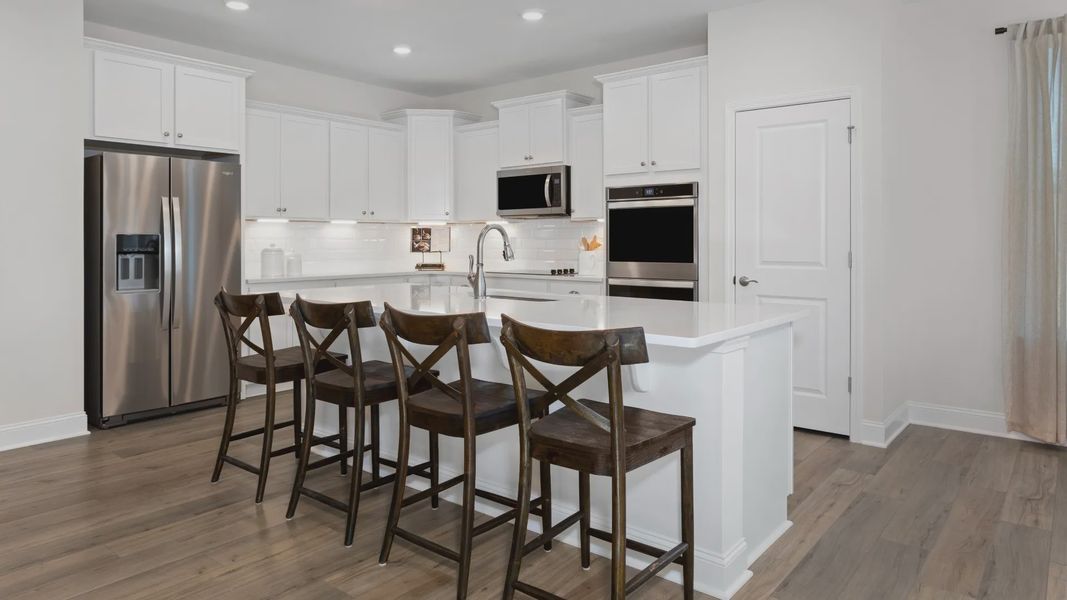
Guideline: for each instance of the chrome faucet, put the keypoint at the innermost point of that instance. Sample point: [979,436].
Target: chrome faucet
[476,276]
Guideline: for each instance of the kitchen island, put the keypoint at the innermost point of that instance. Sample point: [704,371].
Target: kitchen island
[728,366]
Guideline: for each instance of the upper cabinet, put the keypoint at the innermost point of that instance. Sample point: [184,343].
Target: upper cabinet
[533,129]
[586,147]
[476,167]
[429,148]
[145,97]
[304,171]
[349,171]
[654,118]
[387,168]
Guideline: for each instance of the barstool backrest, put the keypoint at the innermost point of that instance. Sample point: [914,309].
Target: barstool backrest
[457,331]
[248,309]
[338,318]
[593,351]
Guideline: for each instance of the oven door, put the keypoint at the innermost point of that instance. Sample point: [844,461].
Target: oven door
[533,192]
[656,289]
[652,239]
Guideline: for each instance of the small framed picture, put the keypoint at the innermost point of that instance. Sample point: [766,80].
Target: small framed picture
[420,239]
[431,239]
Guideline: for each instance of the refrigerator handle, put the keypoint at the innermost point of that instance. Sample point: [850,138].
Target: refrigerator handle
[165,268]
[176,207]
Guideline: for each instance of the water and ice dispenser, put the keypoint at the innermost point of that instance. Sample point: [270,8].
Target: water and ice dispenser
[137,262]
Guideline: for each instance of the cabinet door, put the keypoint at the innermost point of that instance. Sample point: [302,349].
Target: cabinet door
[514,136]
[546,132]
[575,288]
[304,172]
[387,201]
[261,160]
[476,156]
[207,109]
[587,166]
[349,183]
[133,98]
[675,123]
[429,154]
[626,126]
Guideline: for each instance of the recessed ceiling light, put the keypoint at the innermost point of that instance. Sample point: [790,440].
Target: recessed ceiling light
[402,49]
[237,5]
[533,14]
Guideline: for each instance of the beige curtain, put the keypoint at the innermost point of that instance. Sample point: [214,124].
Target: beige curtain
[1035,301]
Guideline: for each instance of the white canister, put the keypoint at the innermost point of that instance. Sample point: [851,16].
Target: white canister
[272,262]
[589,263]
[294,266]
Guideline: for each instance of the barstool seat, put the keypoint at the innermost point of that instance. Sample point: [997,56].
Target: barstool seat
[568,439]
[493,403]
[288,366]
[379,384]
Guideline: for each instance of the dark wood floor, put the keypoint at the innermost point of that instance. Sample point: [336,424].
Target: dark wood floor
[129,513]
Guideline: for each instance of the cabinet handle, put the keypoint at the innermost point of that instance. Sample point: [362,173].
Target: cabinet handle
[166,134]
[642,163]
[372,212]
[653,163]
[447,213]
[364,212]
[278,209]
[180,134]
[285,210]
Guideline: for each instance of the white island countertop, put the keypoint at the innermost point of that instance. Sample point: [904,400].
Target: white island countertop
[666,322]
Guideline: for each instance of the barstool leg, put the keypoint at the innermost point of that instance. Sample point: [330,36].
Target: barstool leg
[296,418]
[467,533]
[398,488]
[518,536]
[546,501]
[434,472]
[342,429]
[687,519]
[357,480]
[375,443]
[618,532]
[227,428]
[303,456]
[268,441]
[583,506]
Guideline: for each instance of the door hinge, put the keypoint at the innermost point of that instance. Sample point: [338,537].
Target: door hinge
[851,128]
[850,384]
[850,259]
[735,279]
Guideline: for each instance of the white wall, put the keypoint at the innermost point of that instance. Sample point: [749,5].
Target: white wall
[278,83]
[41,241]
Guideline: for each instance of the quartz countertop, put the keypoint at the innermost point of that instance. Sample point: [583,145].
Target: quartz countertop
[666,322]
[331,276]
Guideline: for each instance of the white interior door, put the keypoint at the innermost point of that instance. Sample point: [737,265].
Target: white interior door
[792,243]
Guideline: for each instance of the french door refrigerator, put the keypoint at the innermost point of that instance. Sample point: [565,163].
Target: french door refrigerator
[162,236]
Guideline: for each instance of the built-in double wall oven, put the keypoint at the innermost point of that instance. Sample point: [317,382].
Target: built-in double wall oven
[652,241]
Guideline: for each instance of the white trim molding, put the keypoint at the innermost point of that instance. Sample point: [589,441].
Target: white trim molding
[40,431]
[972,420]
[881,434]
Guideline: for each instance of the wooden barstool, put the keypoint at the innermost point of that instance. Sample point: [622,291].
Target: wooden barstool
[266,366]
[464,408]
[594,438]
[359,385]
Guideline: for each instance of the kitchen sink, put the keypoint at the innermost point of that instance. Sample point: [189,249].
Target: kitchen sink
[521,298]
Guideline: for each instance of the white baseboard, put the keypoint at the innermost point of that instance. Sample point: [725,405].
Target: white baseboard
[39,431]
[881,434]
[984,422]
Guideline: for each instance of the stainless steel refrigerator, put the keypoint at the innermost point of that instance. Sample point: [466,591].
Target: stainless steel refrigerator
[162,236]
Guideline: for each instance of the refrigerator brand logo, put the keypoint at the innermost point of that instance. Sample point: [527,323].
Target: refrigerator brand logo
[227,172]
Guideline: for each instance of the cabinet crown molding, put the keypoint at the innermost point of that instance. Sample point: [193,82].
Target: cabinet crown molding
[460,117]
[479,126]
[570,99]
[315,114]
[99,44]
[697,61]
[582,111]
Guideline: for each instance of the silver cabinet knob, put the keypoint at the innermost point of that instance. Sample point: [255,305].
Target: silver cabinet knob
[642,163]
[285,210]
[447,213]
[372,212]
[575,292]
[745,281]
[653,163]
[278,209]
[364,212]
[166,134]
[180,134]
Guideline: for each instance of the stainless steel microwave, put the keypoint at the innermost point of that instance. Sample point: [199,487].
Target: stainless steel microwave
[534,192]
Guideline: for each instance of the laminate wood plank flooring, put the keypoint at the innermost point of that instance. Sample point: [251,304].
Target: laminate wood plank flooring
[129,513]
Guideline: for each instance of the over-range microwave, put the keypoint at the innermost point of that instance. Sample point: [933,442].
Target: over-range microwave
[534,192]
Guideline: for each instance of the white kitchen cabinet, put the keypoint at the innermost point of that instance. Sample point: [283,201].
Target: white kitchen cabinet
[304,172]
[583,288]
[387,167]
[429,151]
[261,160]
[533,129]
[654,118]
[495,283]
[147,97]
[476,166]
[349,171]
[207,109]
[586,149]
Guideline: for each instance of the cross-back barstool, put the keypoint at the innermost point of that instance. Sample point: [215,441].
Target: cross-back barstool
[594,438]
[465,408]
[357,386]
[266,366]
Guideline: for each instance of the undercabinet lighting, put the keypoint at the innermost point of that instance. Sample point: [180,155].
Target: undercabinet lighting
[432,223]
[237,5]
[496,222]
[272,220]
[600,220]
[344,221]
[402,49]
[533,14]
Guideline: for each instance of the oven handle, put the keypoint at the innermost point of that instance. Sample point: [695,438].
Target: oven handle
[656,283]
[620,204]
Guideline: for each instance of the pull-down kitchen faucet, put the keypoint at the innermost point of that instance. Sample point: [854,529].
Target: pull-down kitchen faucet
[476,277]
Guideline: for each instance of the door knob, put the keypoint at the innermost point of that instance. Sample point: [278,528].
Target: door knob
[745,281]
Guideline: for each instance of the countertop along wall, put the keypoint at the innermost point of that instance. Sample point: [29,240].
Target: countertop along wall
[41,241]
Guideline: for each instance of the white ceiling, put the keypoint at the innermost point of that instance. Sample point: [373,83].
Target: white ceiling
[457,45]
